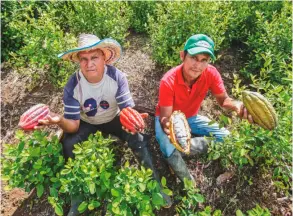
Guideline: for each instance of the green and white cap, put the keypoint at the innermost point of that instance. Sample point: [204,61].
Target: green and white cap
[198,44]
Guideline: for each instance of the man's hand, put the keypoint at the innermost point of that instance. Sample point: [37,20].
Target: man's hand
[242,112]
[51,119]
[128,131]
[165,125]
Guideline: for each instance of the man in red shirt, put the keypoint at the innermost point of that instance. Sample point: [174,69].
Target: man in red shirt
[184,88]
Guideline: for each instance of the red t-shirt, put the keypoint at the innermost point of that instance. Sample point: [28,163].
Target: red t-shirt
[174,92]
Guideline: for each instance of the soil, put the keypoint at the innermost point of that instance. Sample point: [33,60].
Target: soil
[143,76]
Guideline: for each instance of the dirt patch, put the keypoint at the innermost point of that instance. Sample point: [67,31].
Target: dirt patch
[144,77]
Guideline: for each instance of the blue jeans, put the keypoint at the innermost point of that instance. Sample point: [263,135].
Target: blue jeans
[198,124]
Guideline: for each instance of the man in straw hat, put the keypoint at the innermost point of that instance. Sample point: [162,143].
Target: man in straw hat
[93,98]
[184,88]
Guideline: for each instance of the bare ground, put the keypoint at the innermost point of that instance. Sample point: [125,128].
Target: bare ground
[143,76]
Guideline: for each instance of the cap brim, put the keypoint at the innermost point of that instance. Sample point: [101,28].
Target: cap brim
[200,50]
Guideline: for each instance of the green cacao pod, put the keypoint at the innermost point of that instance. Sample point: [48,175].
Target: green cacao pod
[261,110]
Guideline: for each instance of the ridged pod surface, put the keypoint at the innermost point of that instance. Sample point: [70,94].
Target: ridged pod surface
[180,132]
[132,120]
[261,110]
[30,118]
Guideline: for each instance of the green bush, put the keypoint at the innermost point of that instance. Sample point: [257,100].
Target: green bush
[32,162]
[141,11]
[88,175]
[270,46]
[174,22]
[102,18]
[189,202]
[43,40]
[12,38]
[135,193]
[251,145]
[93,177]
[243,18]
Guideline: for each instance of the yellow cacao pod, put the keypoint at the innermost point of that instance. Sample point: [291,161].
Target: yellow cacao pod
[179,132]
[261,110]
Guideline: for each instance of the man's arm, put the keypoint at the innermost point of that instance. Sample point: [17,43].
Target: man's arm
[165,113]
[233,105]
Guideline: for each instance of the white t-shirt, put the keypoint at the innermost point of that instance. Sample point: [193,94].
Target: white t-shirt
[96,103]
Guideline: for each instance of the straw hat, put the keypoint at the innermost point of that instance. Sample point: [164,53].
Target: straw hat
[111,48]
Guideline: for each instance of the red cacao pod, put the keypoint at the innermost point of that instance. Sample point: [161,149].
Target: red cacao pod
[31,117]
[132,120]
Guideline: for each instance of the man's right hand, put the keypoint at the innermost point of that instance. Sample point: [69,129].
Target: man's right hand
[165,125]
[51,119]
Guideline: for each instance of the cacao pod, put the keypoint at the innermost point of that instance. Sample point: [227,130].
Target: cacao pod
[31,117]
[261,110]
[179,132]
[132,120]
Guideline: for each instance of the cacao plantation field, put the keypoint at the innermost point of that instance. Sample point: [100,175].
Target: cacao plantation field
[250,173]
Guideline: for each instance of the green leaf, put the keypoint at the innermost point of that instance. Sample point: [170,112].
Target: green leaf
[53,192]
[93,204]
[216,155]
[142,187]
[115,192]
[5,178]
[65,171]
[35,152]
[116,210]
[239,213]
[168,192]
[88,151]
[163,181]
[54,179]
[19,134]
[92,188]
[7,187]
[82,207]
[20,146]
[77,151]
[58,209]
[126,164]
[40,190]
[157,199]
[199,198]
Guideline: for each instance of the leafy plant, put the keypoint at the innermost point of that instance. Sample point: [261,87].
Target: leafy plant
[174,22]
[257,211]
[89,175]
[135,192]
[189,203]
[102,18]
[141,11]
[33,162]
[93,177]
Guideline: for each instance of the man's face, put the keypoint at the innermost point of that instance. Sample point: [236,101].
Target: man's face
[193,66]
[92,65]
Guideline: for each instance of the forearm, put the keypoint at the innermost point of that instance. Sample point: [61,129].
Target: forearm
[68,125]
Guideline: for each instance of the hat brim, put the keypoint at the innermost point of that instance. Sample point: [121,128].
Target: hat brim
[111,49]
[200,50]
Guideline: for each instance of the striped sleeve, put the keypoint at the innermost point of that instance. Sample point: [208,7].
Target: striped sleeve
[123,96]
[71,106]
